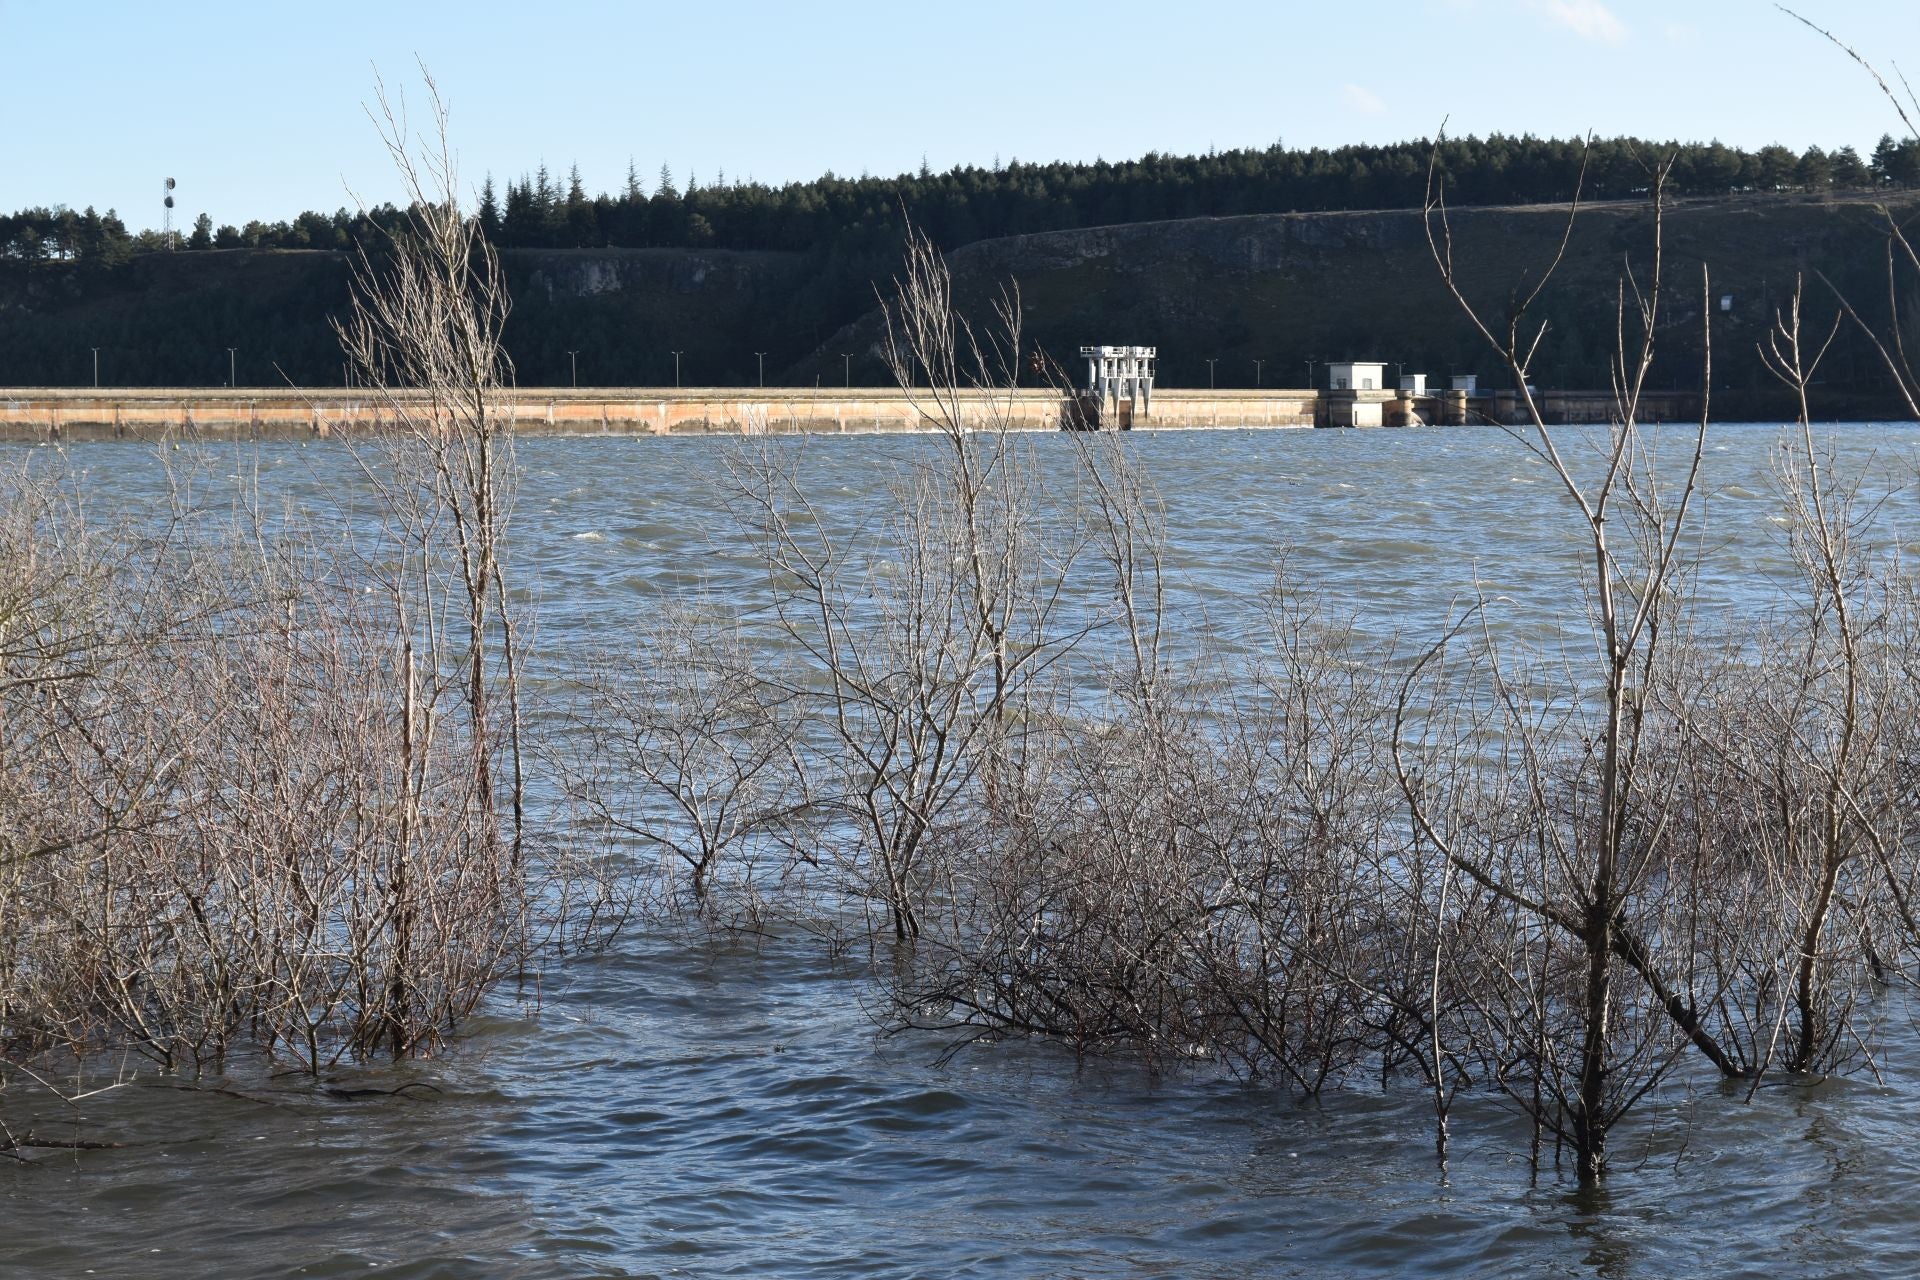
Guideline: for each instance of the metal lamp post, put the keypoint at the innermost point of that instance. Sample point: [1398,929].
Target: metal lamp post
[1256,371]
[846,369]
[676,369]
[761,356]
[573,358]
[232,380]
[1210,363]
[96,367]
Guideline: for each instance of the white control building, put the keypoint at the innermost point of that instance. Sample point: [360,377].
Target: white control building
[1115,374]
[1357,375]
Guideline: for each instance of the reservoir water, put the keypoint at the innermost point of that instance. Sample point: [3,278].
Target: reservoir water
[689,1106]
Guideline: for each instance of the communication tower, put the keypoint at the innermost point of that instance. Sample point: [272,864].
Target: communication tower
[166,222]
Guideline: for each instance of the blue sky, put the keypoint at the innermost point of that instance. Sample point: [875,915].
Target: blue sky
[256,108]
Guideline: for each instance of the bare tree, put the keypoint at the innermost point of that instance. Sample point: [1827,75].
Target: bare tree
[1586,851]
[423,333]
[922,659]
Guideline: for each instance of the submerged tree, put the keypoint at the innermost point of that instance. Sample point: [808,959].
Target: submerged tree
[423,334]
[1593,1003]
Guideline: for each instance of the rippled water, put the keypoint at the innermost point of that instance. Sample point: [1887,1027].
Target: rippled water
[678,1107]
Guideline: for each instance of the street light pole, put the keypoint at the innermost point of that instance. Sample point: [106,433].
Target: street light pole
[1210,363]
[846,368]
[676,370]
[573,358]
[96,367]
[1256,371]
[232,381]
[1310,365]
[761,356]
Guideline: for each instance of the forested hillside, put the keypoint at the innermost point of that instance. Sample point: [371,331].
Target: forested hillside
[956,207]
[1276,256]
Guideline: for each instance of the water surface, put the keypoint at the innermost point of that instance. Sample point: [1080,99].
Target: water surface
[680,1107]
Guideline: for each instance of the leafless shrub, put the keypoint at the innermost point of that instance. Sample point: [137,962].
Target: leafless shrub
[254,856]
[262,790]
[922,640]
[1200,867]
[1813,722]
[689,752]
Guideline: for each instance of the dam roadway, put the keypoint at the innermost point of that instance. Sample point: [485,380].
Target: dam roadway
[220,412]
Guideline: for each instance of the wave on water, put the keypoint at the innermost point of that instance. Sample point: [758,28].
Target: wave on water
[705,1108]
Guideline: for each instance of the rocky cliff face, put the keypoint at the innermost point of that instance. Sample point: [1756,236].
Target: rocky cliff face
[1254,243]
[560,274]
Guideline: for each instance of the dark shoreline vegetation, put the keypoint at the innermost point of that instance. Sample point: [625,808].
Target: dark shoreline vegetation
[281,783]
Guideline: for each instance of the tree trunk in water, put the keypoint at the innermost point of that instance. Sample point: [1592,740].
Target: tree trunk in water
[1589,1118]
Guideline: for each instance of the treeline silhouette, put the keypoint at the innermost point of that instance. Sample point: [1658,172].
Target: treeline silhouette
[859,215]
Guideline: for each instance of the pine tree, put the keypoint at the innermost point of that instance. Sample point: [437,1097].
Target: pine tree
[1774,168]
[520,224]
[116,246]
[1903,165]
[666,188]
[1849,170]
[1814,172]
[1883,159]
[581,225]
[489,211]
[546,209]
[90,236]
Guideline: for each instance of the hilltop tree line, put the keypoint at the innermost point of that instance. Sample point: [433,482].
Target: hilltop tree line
[862,215]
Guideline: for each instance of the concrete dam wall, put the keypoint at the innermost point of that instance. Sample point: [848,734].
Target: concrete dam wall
[64,414]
